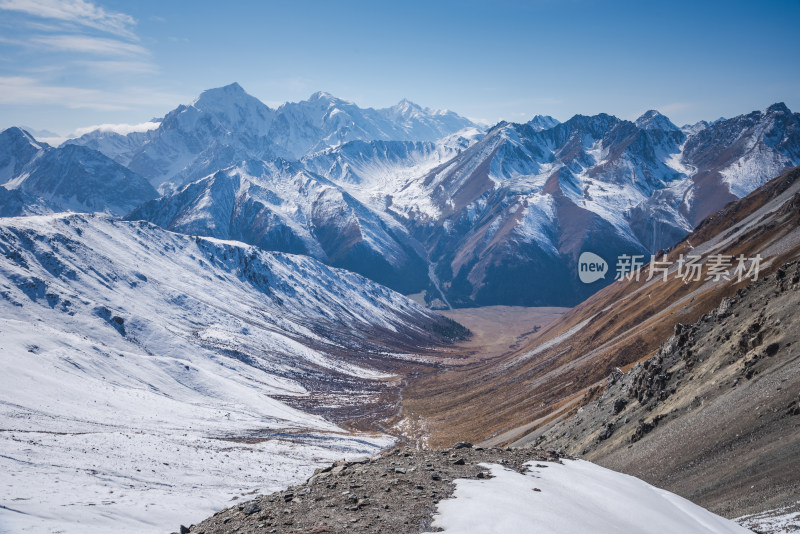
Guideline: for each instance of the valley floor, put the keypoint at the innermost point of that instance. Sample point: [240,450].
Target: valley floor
[499,330]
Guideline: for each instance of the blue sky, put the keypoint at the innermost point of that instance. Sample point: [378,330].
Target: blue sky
[75,63]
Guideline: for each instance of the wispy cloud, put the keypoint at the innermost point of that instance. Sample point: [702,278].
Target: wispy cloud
[25,90]
[674,107]
[90,45]
[77,12]
[122,129]
[102,42]
[106,67]
[22,90]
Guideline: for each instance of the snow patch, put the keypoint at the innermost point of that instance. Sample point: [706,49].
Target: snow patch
[576,496]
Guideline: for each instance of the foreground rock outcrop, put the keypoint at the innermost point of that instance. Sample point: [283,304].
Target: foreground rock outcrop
[394,492]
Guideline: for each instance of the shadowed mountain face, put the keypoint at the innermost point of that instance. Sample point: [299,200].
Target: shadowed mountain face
[508,217]
[37,178]
[279,206]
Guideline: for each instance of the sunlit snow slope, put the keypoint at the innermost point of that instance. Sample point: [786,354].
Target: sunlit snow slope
[139,365]
[571,497]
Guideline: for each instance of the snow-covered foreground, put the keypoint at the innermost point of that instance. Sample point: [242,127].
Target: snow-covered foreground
[138,370]
[576,496]
[145,479]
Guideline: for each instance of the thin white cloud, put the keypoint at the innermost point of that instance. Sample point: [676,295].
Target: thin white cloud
[104,67]
[122,129]
[90,45]
[78,12]
[674,107]
[23,90]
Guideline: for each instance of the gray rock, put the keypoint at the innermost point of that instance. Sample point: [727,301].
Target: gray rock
[251,508]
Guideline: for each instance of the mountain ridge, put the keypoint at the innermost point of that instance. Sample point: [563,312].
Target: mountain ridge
[173,154]
[481,212]
[43,179]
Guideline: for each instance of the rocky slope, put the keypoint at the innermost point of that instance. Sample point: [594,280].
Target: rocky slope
[396,491]
[714,414]
[467,489]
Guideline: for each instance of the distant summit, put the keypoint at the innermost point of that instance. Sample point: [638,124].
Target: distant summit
[226,125]
[543,122]
[653,120]
[42,179]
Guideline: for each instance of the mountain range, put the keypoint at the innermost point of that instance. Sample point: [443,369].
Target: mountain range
[226,125]
[423,200]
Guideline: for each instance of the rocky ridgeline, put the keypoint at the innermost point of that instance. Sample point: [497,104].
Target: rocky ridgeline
[396,491]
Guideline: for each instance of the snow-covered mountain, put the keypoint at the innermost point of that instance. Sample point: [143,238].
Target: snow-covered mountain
[543,122]
[733,157]
[324,120]
[480,213]
[226,125]
[141,369]
[37,178]
[383,173]
[281,206]
[506,219]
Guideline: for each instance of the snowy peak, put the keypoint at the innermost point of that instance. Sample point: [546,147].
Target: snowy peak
[737,155]
[779,108]
[406,108]
[324,96]
[15,137]
[71,177]
[543,122]
[406,104]
[691,129]
[226,125]
[653,120]
[17,149]
[226,92]
[233,106]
